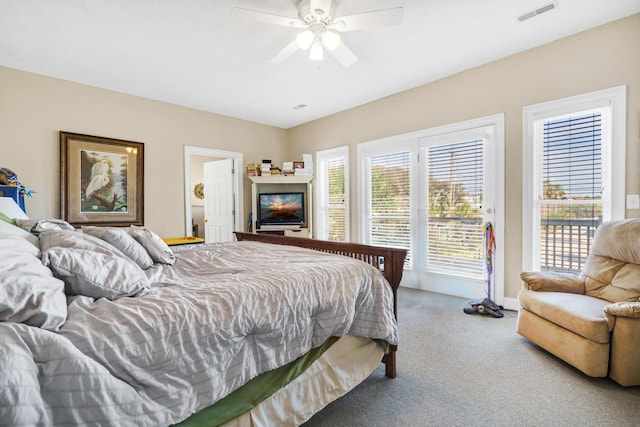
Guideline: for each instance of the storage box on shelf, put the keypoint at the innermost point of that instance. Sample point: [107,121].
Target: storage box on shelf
[13,192]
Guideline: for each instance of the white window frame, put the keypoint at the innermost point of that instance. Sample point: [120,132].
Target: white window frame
[613,193]
[323,157]
[410,142]
[380,147]
[483,133]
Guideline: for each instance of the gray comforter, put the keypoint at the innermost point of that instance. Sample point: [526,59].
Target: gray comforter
[221,315]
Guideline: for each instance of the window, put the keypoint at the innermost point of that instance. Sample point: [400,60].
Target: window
[431,192]
[570,184]
[454,237]
[333,190]
[387,217]
[461,177]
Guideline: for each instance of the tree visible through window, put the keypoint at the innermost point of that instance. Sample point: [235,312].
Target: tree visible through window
[430,192]
[337,219]
[389,212]
[333,192]
[573,176]
[570,201]
[455,195]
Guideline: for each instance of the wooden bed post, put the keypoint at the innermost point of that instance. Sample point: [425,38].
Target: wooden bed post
[390,260]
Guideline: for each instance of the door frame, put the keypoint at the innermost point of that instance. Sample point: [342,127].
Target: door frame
[492,188]
[410,142]
[496,152]
[238,187]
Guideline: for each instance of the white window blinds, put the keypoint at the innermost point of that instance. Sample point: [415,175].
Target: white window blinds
[333,189]
[388,214]
[337,206]
[570,179]
[455,194]
[573,176]
[571,166]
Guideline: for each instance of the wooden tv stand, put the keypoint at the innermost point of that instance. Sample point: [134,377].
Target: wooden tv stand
[277,183]
[287,232]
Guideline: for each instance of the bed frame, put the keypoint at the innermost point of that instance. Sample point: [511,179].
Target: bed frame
[389,260]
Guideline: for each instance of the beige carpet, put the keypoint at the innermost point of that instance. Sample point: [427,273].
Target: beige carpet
[456,369]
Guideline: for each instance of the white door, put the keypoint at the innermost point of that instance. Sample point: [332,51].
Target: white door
[431,192]
[218,201]
[457,190]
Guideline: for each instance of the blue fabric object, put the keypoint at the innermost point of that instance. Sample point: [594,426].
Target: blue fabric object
[13,192]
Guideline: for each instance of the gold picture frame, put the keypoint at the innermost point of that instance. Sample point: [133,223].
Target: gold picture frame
[101,180]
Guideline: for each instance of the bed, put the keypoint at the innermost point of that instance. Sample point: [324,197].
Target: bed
[89,336]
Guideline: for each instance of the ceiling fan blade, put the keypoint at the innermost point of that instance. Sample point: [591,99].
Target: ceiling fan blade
[375,18]
[344,55]
[267,18]
[289,50]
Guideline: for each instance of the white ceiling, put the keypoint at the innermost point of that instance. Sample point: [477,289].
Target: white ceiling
[192,53]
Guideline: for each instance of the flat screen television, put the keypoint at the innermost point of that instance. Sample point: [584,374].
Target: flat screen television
[281,209]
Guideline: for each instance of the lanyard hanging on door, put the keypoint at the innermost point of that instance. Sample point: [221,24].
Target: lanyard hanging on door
[489,247]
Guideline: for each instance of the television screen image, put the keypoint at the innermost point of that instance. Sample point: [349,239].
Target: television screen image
[281,208]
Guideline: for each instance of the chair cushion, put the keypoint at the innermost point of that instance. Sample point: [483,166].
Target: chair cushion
[612,270]
[612,280]
[580,314]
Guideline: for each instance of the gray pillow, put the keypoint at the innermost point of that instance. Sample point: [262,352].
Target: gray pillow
[90,266]
[10,229]
[37,226]
[124,242]
[29,293]
[157,248]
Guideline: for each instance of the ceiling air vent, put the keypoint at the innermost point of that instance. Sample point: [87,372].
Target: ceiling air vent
[542,9]
[299,106]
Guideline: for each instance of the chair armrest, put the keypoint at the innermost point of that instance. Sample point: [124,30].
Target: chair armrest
[550,281]
[621,309]
[624,309]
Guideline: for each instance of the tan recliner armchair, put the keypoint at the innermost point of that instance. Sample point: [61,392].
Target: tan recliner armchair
[591,321]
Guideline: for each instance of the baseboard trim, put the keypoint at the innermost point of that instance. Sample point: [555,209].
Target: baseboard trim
[511,304]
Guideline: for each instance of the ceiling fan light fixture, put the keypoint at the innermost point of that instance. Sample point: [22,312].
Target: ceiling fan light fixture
[305,39]
[330,40]
[320,29]
[316,53]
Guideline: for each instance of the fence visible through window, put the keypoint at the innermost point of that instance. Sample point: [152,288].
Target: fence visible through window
[456,245]
[565,243]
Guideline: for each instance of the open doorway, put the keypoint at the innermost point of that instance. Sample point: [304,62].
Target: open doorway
[194,160]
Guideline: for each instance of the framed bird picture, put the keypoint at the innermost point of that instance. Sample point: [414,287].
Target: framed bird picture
[101,181]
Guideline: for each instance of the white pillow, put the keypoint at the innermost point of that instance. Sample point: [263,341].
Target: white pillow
[90,266]
[29,293]
[122,241]
[157,248]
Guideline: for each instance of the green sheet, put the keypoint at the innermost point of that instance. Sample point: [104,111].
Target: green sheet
[255,391]
[5,218]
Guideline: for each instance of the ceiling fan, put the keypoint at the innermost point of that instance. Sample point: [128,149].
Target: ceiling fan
[321,30]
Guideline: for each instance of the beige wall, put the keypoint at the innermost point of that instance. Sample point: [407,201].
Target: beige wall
[600,58]
[33,109]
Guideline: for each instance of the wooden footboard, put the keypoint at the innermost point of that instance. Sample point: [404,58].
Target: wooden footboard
[389,260]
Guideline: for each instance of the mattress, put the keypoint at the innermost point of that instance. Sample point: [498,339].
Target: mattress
[342,367]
